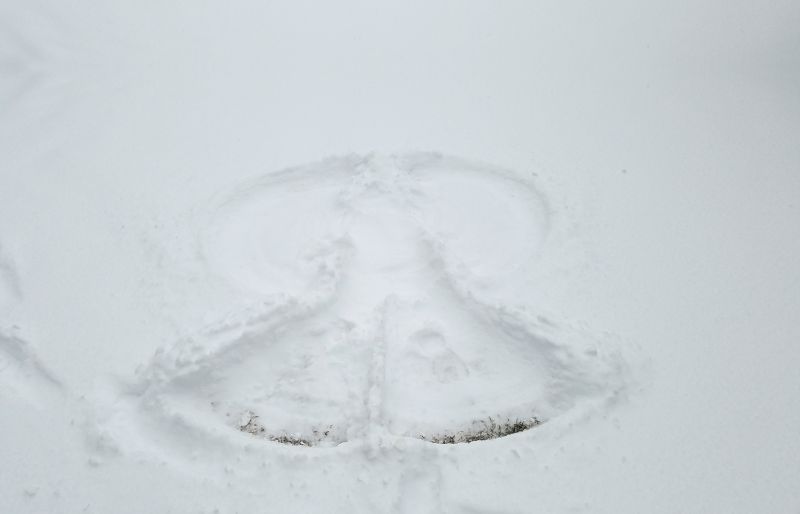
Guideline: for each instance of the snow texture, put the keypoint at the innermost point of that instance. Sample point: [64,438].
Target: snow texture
[419,257]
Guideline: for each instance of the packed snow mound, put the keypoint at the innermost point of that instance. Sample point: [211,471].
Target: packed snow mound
[373,325]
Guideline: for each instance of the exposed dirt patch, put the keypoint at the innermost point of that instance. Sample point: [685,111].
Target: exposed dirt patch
[249,423]
[483,430]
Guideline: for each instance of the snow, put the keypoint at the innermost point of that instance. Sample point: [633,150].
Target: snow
[265,257]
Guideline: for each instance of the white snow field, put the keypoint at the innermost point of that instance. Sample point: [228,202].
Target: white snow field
[420,257]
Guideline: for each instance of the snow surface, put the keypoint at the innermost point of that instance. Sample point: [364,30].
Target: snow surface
[225,228]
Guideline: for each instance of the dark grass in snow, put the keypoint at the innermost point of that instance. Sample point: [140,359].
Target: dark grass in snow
[483,430]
